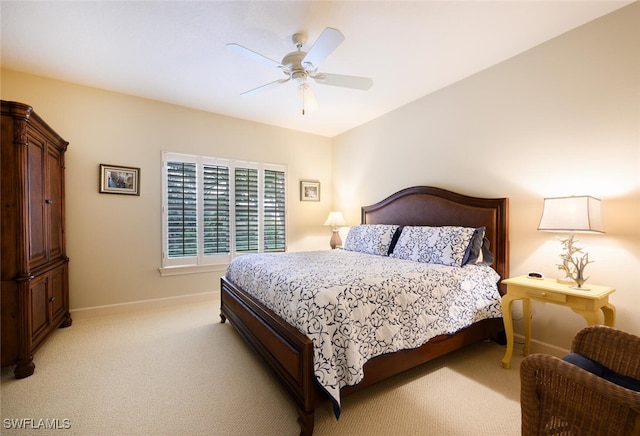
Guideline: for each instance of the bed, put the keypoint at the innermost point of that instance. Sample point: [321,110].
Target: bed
[290,353]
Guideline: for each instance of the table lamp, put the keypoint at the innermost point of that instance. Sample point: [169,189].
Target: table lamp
[576,214]
[334,220]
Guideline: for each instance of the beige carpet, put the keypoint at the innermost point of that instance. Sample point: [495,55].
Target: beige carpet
[178,371]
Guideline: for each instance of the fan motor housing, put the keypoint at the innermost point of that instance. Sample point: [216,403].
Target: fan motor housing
[293,60]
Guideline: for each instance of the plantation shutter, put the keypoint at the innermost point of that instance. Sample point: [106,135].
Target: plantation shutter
[182,209]
[247,206]
[274,211]
[216,209]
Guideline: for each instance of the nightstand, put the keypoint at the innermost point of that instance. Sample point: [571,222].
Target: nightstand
[588,303]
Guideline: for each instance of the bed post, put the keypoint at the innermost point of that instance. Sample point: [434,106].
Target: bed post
[306,421]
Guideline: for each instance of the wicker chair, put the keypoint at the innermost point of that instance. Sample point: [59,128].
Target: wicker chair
[559,398]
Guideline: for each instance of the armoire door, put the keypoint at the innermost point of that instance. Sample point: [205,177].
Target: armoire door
[37,215]
[46,184]
[54,209]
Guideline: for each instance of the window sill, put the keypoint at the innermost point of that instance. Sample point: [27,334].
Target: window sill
[190,269]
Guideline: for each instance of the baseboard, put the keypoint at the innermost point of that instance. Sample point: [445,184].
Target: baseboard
[116,309]
[540,347]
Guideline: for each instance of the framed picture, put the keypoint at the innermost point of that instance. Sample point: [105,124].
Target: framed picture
[309,190]
[119,180]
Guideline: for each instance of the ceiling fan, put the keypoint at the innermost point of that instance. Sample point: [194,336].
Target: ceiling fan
[298,66]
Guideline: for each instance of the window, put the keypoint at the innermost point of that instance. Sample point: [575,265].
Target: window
[214,209]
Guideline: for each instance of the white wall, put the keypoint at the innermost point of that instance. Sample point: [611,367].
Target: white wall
[114,241]
[560,119]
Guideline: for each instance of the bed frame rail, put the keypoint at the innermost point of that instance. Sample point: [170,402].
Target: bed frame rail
[286,351]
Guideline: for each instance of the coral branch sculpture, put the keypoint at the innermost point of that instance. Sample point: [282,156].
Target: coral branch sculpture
[573,264]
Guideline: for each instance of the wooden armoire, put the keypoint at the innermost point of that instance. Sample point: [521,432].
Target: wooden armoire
[34,265]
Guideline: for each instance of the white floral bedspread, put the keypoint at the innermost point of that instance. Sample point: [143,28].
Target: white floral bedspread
[357,306]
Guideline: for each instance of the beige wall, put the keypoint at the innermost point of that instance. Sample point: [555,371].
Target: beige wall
[114,241]
[560,119]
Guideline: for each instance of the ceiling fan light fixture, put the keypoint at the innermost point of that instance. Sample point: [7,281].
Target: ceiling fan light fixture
[300,77]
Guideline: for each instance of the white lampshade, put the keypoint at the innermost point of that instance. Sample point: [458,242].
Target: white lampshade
[572,214]
[335,219]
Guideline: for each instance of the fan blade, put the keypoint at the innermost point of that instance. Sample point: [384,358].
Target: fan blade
[326,43]
[355,82]
[265,87]
[237,48]
[309,101]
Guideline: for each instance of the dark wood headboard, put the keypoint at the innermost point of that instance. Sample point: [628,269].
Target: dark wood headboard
[429,206]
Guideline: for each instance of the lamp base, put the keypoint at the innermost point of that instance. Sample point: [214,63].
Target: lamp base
[335,241]
[580,288]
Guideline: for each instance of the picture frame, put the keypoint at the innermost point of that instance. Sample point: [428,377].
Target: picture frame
[309,190]
[117,179]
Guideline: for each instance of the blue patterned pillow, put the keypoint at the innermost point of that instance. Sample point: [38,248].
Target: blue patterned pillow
[445,245]
[370,238]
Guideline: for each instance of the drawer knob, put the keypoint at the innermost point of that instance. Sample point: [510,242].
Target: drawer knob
[49,201]
[544,294]
[52,299]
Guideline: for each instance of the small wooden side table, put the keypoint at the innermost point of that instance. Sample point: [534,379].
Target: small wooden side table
[588,303]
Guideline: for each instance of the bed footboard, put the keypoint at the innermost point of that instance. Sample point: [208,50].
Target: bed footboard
[287,352]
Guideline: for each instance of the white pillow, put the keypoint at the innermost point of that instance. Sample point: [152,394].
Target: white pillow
[370,238]
[445,245]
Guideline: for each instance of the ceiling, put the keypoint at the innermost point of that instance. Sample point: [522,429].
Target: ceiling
[174,51]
